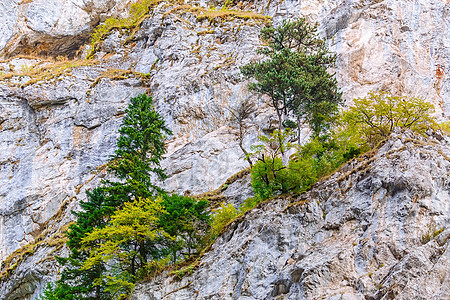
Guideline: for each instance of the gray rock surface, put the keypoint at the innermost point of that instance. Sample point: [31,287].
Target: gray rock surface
[53,139]
[52,27]
[55,133]
[376,229]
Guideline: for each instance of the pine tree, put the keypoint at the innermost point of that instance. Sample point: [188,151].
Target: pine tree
[294,75]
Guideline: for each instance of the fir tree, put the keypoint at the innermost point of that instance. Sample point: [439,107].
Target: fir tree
[74,282]
[140,147]
[140,151]
[186,219]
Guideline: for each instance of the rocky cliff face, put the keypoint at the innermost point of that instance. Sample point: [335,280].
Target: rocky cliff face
[376,229]
[58,129]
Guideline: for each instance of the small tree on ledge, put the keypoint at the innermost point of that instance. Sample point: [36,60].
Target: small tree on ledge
[294,75]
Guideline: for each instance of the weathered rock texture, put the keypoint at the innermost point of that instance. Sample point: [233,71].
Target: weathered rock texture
[51,27]
[376,229]
[57,132]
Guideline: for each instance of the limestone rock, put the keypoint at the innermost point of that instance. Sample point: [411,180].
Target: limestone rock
[55,134]
[373,230]
[51,27]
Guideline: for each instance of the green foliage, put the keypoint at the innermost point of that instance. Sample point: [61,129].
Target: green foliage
[74,282]
[294,75]
[128,240]
[179,274]
[357,130]
[375,116]
[249,203]
[278,143]
[445,127]
[92,215]
[140,150]
[222,217]
[186,219]
[49,293]
[269,174]
[125,236]
[312,161]
[270,177]
[135,163]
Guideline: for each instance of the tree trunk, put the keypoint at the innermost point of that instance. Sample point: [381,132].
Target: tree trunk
[299,130]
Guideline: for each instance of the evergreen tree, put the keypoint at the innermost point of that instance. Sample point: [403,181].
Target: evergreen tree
[137,159]
[294,75]
[139,154]
[74,282]
[186,219]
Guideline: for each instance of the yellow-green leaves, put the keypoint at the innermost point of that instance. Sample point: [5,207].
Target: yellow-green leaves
[222,217]
[374,117]
[129,229]
[278,143]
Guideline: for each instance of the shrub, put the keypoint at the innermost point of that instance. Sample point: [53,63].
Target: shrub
[363,126]
[222,217]
[270,174]
[186,219]
[374,117]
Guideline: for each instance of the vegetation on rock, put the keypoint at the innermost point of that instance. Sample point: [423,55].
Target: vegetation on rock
[375,117]
[138,13]
[294,76]
[140,10]
[354,131]
[130,228]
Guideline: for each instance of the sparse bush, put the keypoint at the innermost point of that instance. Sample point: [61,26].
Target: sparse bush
[249,203]
[222,217]
[431,233]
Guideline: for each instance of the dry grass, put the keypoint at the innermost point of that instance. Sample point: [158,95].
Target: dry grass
[56,240]
[215,197]
[218,15]
[44,70]
[119,74]
[139,11]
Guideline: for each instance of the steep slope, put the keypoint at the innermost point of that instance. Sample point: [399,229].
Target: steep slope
[376,229]
[58,130]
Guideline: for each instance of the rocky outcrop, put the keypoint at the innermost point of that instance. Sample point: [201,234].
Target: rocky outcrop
[378,228]
[57,131]
[52,28]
